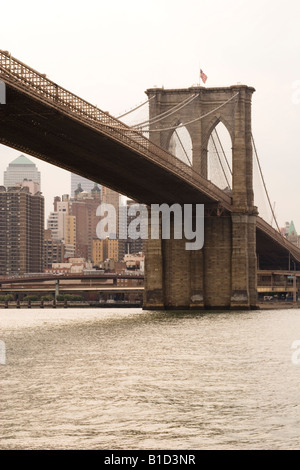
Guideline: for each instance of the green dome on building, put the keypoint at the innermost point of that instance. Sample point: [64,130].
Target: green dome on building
[78,189]
[95,189]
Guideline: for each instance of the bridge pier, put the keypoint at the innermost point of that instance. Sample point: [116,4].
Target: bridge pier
[220,275]
[217,262]
[196,279]
[154,272]
[243,262]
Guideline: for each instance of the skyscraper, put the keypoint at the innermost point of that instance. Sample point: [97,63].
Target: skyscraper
[21,231]
[129,245]
[53,250]
[109,196]
[62,225]
[52,225]
[105,249]
[84,208]
[19,169]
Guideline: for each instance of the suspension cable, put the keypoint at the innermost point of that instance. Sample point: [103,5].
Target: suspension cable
[194,120]
[264,184]
[167,113]
[134,109]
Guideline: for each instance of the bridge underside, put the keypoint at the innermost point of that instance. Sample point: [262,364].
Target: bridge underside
[41,130]
[273,255]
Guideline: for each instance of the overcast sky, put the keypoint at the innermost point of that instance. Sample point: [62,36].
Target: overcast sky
[110,52]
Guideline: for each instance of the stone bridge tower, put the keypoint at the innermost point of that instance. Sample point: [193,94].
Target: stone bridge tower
[223,273]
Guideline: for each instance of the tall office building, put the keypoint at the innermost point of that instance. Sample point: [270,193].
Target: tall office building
[129,245]
[84,208]
[53,250]
[21,169]
[52,225]
[21,231]
[62,225]
[109,196]
[105,249]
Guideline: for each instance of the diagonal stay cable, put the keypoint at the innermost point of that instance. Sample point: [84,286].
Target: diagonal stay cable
[134,109]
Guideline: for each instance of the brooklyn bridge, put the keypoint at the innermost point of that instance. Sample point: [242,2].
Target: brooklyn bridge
[47,121]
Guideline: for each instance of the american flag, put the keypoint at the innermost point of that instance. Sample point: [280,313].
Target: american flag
[203,76]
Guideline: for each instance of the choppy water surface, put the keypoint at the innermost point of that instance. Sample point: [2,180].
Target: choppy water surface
[132,379]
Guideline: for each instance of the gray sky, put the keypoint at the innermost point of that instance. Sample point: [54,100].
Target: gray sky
[109,53]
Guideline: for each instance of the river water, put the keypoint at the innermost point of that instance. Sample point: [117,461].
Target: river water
[133,379]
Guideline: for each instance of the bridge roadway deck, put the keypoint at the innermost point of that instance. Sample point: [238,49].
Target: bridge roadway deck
[47,121]
[274,251]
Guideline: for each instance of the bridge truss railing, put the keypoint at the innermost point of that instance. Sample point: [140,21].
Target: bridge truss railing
[19,75]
